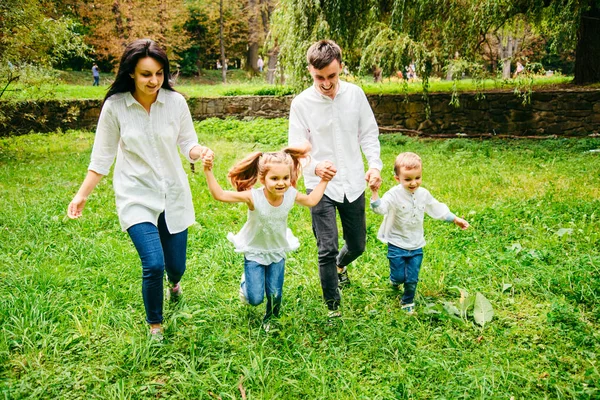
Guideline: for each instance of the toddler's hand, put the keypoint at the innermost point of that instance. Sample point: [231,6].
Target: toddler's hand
[375,184]
[461,223]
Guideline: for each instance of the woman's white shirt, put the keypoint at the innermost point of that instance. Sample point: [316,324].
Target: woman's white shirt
[148,176]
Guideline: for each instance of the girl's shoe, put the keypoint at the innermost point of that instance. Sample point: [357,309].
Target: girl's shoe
[243,297]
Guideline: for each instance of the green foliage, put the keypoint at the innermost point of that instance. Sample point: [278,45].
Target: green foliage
[71,313]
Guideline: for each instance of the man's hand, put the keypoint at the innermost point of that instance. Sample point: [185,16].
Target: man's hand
[373,178]
[325,170]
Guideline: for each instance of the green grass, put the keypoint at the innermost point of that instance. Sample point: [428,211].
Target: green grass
[72,320]
[78,85]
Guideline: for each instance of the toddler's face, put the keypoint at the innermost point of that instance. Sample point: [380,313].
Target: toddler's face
[410,179]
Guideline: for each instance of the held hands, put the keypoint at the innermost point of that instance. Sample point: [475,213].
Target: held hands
[207,161]
[76,206]
[325,170]
[461,223]
[201,153]
[373,178]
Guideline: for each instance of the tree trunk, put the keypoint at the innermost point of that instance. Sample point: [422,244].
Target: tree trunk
[252,58]
[223,63]
[587,52]
[253,37]
[272,64]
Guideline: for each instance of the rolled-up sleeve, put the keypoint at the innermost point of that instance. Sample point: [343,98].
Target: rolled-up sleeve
[187,137]
[298,133]
[437,210]
[106,141]
[368,134]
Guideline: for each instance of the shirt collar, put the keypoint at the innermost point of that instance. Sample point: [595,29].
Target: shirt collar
[342,86]
[129,99]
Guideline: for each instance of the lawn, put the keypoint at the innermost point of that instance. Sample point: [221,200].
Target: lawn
[78,85]
[72,320]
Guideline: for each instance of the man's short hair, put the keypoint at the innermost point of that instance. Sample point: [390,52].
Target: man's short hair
[322,53]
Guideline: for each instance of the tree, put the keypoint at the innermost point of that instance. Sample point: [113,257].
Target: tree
[112,24]
[203,27]
[391,33]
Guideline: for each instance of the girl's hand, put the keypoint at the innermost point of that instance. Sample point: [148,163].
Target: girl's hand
[207,162]
[461,223]
[206,153]
[76,206]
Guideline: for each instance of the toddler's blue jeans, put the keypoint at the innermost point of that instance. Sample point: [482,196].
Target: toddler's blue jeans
[404,269]
[261,279]
[159,250]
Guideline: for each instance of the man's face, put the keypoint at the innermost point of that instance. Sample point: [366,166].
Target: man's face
[327,79]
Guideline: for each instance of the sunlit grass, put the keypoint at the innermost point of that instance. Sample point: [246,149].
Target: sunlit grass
[74,86]
[72,320]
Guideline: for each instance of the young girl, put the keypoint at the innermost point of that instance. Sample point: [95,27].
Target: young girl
[404,207]
[265,238]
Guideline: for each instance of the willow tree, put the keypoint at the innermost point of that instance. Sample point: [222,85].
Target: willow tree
[390,34]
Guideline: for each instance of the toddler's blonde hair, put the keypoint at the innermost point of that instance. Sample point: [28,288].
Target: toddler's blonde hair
[407,160]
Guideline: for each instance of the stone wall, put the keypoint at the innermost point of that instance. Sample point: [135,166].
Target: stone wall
[568,113]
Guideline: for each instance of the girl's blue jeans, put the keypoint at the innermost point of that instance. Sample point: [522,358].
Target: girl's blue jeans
[159,250]
[264,279]
[404,269]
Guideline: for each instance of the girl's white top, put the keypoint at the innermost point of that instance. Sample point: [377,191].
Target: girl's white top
[265,237]
[404,214]
[148,176]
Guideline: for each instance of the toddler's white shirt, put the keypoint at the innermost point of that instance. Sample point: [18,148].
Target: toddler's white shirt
[404,213]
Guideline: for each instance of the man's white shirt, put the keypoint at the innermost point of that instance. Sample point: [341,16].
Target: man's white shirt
[338,129]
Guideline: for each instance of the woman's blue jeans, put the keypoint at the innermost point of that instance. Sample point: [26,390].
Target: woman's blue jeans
[404,269]
[260,279]
[159,251]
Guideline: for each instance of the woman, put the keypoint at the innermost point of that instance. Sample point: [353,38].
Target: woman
[142,122]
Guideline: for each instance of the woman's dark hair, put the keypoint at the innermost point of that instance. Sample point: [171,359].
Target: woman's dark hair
[140,48]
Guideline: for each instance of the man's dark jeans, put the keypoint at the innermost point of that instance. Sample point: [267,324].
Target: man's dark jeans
[325,228]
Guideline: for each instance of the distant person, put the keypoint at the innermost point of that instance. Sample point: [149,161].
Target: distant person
[519,69]
[96,75]
[336,118]
[260,64]
[265,238]
[142,123]
[404,207]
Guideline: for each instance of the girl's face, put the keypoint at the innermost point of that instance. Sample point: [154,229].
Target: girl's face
[148,77]
[278,179]
[410,179]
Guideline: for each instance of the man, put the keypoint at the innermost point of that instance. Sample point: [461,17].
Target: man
[336,118]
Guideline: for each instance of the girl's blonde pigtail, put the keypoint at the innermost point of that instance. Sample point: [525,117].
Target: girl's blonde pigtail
[244,174]
[300,155]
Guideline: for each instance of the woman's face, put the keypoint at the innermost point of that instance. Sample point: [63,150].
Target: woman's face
[148,77]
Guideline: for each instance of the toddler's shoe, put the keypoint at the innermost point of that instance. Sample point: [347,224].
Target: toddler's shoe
[409,308]
[343,278]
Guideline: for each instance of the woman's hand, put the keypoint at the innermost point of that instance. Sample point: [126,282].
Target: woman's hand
[76,206]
